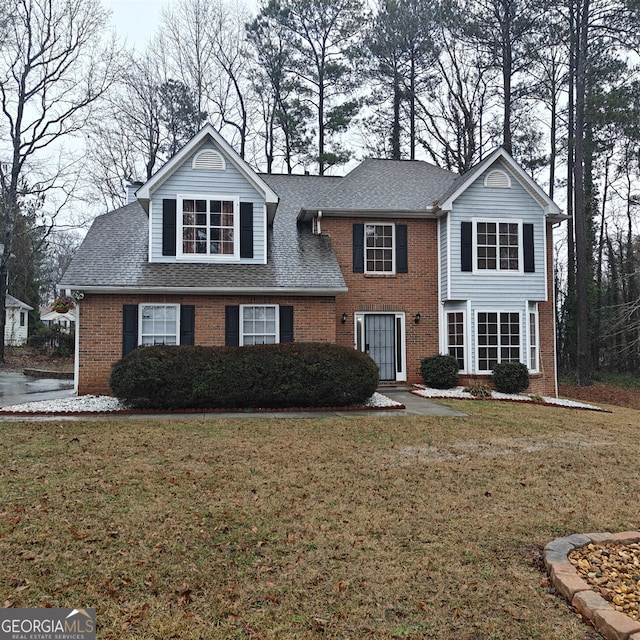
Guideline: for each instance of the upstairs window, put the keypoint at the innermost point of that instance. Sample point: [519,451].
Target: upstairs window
[209,226]
[379,248]
[497,246]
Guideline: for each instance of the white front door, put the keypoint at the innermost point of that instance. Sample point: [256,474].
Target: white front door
[381,335]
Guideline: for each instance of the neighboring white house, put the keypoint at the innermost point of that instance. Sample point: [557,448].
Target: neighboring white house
[16,328]
[66,321]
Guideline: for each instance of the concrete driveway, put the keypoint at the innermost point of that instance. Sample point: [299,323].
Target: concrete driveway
[16,388]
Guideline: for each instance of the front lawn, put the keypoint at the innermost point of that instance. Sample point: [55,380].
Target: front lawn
[368,527]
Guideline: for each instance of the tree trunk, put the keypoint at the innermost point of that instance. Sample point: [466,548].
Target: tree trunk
[583,364]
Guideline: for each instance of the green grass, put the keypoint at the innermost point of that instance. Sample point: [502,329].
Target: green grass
[321,528]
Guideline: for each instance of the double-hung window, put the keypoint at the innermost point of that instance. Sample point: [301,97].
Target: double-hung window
[159,324]
[533,341]
[455,337]
[259,324]
[208,227]
[379,248]
[498,338]
[498,246]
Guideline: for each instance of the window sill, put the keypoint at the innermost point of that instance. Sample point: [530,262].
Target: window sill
[380,275]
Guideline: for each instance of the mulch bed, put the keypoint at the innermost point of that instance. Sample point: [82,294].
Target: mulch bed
[602,393]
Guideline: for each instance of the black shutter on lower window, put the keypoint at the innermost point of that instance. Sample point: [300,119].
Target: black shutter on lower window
[466,246]
[232,326]
[528,248]
[129,328]
[187,324]
[402,262]
[286,324]
[246,229]
[168,227]
[358,248]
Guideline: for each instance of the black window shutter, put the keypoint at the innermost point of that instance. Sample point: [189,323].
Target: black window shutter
[286,324]
[466,246]
[168,227]
[528,248]
[358,248]
[129,328]
[402,263]
[246,229]
[232,326]
[187,324]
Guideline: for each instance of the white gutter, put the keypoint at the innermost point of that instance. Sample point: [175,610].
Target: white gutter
[227,291]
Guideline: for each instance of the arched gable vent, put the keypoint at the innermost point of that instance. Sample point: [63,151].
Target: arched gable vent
[497,179]
[209,160]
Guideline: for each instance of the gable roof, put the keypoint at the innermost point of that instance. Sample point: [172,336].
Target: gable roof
[500,154]
[206,133]
[114,256]
[376,185]
[14,303]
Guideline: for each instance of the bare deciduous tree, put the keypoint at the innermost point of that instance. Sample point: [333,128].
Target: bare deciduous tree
[54,66]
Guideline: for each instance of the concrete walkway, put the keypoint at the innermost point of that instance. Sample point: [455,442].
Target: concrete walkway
[17,389]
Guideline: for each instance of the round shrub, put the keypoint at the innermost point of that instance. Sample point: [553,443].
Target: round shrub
[261,376]
[440,372]
[510,377]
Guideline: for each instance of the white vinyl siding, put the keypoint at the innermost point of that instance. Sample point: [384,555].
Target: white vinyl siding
[190,182]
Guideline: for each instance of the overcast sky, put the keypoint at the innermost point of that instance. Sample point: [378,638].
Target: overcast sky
[135,20]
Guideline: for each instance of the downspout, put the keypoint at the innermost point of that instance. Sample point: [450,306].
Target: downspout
[319,223]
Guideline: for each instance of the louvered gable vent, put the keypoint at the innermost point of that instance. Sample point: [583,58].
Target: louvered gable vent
[209,160]
[497,179]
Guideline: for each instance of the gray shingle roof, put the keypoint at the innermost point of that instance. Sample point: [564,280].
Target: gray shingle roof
[114,254]
[386,185]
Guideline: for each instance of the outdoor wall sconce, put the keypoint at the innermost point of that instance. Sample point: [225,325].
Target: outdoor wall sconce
[417,317]
[344,317]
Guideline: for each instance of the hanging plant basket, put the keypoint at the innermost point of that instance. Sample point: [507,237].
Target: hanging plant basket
[62,304]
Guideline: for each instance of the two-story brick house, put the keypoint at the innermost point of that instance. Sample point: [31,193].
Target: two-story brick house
[401,259]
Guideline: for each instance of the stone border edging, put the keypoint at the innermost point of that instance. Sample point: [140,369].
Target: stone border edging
[612,624]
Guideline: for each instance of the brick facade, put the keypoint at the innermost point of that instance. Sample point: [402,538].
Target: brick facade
[100,327]
[413,292]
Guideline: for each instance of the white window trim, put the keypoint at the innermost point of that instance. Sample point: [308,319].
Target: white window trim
[477,342]
[498,221]
[158,304]
[393,248]
[465,344]
[198,257]
[253,306]
[533,310]
[358,336]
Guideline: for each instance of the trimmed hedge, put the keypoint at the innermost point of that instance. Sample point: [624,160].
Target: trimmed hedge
[265,376]
[440,372]
[511,377]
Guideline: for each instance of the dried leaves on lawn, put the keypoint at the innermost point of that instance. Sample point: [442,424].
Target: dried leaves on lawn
[393,527]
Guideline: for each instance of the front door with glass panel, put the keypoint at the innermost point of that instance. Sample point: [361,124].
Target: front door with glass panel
[381,336]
